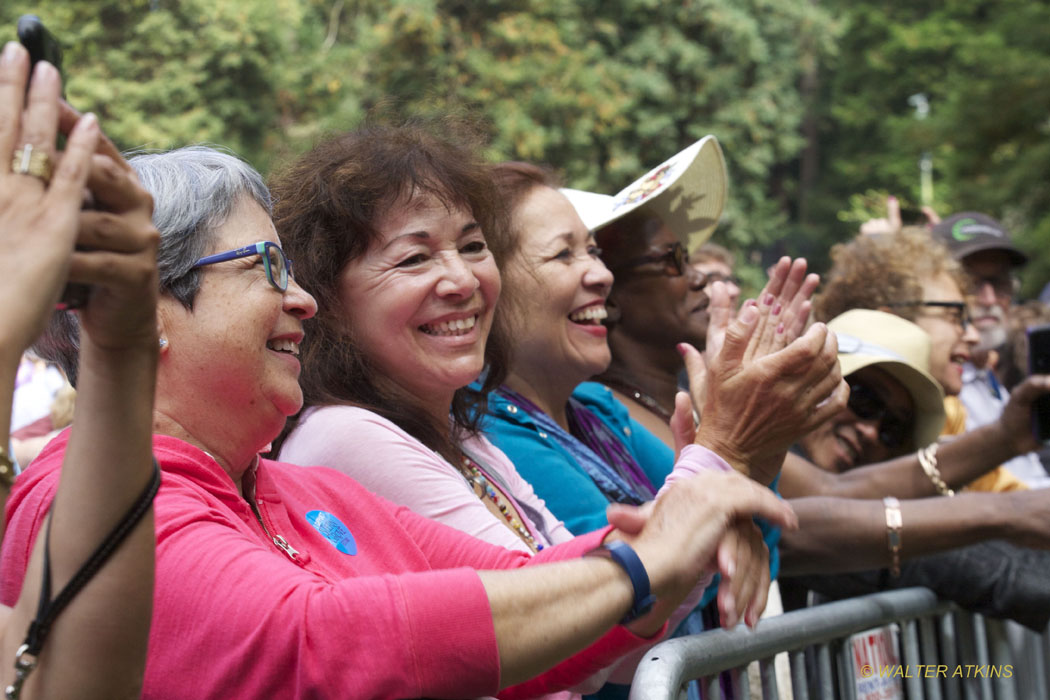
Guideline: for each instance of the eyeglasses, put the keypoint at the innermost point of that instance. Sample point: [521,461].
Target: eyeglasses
[278,267]
[957,312]
[674,260]
[867,405]
[719,277]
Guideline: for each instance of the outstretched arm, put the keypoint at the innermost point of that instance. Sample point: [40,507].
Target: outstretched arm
[959,461]
[838,535]
[97,646]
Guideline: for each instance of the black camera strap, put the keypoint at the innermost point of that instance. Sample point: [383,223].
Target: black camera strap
[48,609]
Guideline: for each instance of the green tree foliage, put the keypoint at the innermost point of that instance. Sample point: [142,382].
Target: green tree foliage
[161,74]
[985,69]
[600,90]
[809,99]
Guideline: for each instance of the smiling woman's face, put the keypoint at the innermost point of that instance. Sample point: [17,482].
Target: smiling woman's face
[559,285]
[419,302]
[655,308]
[240,341]
[950,343]
[846,440]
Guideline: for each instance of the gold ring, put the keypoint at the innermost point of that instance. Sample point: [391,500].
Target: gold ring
[27,161]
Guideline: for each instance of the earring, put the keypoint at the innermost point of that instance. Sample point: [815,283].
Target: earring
[163,343]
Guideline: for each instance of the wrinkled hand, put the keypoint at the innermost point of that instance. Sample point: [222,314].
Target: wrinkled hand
[753,410]
[678,536]
[1016,419]
[38,223]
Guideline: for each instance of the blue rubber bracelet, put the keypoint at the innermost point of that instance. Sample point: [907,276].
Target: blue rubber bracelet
[626,557]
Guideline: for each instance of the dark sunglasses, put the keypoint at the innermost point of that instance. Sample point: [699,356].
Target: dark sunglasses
[957,311]
[867,405]
[278,267]
[674,261]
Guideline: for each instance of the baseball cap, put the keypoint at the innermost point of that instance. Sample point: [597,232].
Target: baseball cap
[869,338]
[971,232]
[687,191]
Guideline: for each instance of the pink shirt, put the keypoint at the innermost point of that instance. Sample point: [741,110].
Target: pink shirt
[375,601]
[355,441]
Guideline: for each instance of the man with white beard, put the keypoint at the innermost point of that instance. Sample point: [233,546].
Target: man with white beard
[984,248]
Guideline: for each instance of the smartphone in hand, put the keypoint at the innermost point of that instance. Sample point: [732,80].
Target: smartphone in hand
[43,46]
[1039,363]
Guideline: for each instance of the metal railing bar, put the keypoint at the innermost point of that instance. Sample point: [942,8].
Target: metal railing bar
[824,676]
[768,673]
[930,655]
[949,652]
[910,659]
[675,660]
[799,684]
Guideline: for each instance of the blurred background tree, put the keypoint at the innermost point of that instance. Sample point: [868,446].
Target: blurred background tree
[809,99]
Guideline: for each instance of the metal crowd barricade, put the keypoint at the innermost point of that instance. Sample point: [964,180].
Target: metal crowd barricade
[1002,660]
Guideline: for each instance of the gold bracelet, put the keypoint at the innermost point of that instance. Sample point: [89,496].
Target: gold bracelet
[7,468]
[928,461]
[894,523]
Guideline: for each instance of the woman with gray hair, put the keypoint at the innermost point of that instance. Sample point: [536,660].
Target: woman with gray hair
[275,580]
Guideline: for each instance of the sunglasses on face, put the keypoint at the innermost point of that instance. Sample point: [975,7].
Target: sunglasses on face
[955,311]
[278,267]
[866,404]
[674,261]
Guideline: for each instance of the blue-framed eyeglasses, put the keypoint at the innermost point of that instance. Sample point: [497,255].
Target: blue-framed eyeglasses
[278,266]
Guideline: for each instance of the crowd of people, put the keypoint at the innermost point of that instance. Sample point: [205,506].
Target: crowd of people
[406,423]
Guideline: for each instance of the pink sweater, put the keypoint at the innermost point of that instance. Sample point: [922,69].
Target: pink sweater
[372,600]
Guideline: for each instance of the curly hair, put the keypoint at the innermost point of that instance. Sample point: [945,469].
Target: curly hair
[327,205]
[875,272]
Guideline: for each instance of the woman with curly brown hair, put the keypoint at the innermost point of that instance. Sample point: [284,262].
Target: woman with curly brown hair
[912,275]
[391,228]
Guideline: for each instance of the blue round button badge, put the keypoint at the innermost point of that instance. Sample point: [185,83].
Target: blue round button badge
[333,530]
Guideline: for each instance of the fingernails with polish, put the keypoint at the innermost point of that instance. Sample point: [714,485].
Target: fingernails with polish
[777,309]
[749,315]
[780,328]
[681,349]
[768,299]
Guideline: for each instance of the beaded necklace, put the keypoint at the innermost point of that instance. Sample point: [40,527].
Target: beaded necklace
[483,489]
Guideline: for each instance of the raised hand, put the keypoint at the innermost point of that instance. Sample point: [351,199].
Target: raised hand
[38,219]
[891,224]
[753,410]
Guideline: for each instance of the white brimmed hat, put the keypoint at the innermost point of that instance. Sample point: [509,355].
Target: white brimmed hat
[687,192]
[900,348]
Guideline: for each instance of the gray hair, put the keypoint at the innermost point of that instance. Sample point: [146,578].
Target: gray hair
[194,190]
